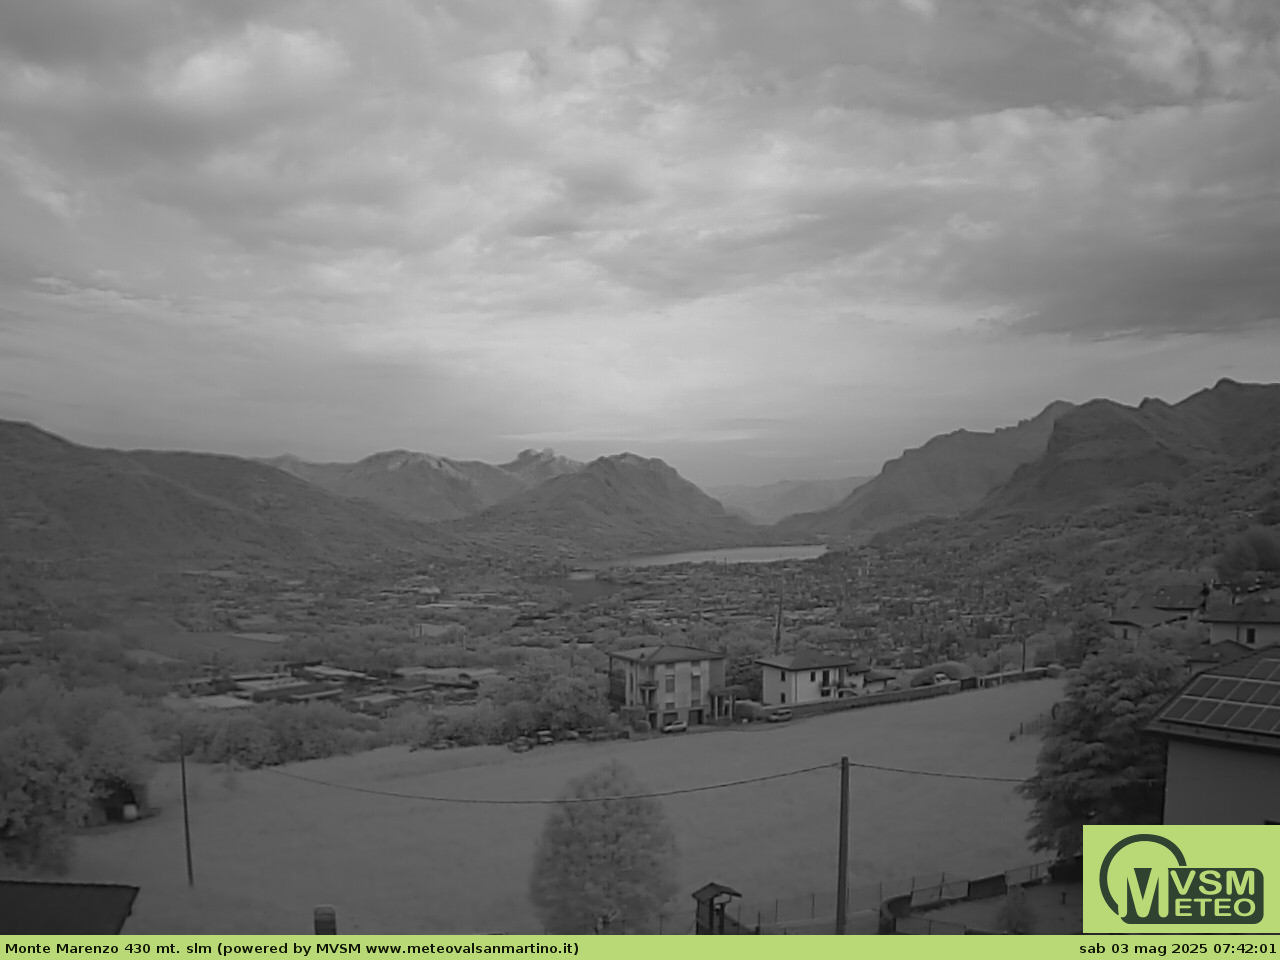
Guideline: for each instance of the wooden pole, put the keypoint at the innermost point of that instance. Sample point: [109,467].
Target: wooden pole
[186,818]
[842,878]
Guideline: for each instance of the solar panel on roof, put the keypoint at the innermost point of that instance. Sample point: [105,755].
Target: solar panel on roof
[1178,709]
[1245,717]
[1269,693]
[1222,714]
[1274,713]
[1199,686]
[1200,710]
[1266,721]
[1222,689]
[1244,690]
[1264,670]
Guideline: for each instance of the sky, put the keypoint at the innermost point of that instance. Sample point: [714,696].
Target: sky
[758,240]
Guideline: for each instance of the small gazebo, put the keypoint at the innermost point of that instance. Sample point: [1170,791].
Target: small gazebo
[712,900]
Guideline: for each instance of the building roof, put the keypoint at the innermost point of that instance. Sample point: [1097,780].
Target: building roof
[1217,653]
[1176,597]
[35,907]
[1146,617]
[807,660]
[667,653]
[714,890]
[1236,703]
[1253,610]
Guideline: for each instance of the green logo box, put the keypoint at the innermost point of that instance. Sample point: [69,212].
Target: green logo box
[1154,879]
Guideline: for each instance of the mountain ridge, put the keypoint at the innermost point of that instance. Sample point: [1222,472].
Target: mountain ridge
[944,477]
[615,504]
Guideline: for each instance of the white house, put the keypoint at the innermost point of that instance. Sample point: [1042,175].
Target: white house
[1253,623]
[806,676]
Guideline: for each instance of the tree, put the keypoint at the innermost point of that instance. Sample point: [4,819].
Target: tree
[1096,765]
[1251,557]
[44,796]
[605,861]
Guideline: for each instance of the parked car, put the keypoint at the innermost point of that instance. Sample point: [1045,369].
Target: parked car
[778,716]
[679,726]
[544,737]
[941,678]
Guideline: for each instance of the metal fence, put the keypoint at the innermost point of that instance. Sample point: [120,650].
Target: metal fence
[814,913]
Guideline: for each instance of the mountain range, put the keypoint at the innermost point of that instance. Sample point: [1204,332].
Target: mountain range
[622,504]
[947,476]
[60,499]
[1104,449]
[427,488]
[1215,454]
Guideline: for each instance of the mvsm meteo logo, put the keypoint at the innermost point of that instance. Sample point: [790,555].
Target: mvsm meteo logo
[1145,879]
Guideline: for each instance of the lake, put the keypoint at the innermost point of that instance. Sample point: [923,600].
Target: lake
[734,555]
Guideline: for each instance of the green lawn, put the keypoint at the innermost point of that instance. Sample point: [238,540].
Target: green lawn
[267,849]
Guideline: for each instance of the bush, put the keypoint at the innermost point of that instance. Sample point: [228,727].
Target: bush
[1017,915]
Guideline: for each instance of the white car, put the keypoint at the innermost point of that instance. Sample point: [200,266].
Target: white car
[679,726]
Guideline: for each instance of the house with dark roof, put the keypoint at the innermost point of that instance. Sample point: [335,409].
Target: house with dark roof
[807,676]
[671,683]
[1222,730]
[1178,598]
[33,907]
[1251,621]
[1133,622]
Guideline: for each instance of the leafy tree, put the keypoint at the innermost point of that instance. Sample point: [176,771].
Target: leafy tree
[1096,766]
[44,795]
[605,861]
[1251,557]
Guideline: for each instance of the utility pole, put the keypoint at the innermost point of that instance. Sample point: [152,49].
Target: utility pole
[186,819]
[777,628]
[842,878]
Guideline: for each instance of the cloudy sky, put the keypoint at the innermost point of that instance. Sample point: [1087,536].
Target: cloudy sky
[757,239]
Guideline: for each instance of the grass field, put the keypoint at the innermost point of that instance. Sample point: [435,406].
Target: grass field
[268,848]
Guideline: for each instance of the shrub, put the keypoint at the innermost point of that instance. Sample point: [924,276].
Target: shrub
[1017,914]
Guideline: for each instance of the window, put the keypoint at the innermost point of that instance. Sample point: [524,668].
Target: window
[813,675]
[1250,635]
[782,674]
[695,688]
[784,698]
[671,683]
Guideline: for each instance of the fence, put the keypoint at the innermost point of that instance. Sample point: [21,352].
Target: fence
[814,913]
[896,914]
[813,708]
[1013,676]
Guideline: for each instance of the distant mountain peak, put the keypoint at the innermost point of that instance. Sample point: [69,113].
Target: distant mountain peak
[632,459]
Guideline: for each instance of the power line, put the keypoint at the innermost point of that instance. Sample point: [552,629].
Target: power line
[936,773]
[485,800]
[655,795]
[543,802]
